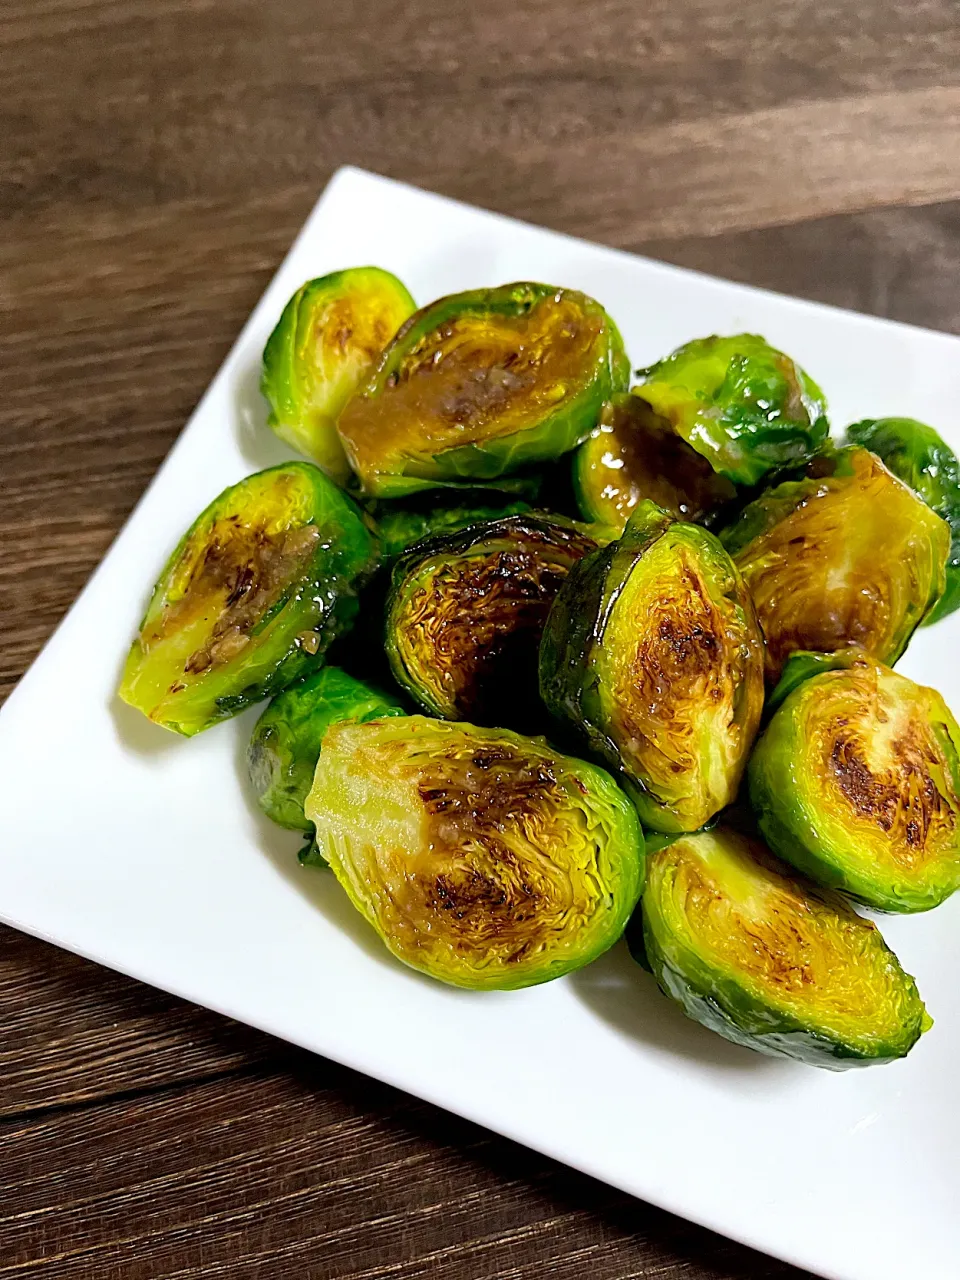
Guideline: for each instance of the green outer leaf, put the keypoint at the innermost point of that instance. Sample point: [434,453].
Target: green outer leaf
[746,407]
[322,600]
[917,455]
[349,806]
[285,744]
[401,528]
[802,665]
[733,1006]
[556,433]
[797,823]
[306,392]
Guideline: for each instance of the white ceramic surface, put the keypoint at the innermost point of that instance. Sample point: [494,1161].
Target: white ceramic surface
[124,844]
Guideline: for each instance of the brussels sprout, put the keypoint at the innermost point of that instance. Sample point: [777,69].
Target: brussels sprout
[770,962]
[845,556]
[258,586]
[328,339]
[652,652]
[479,384]
[480,857]
[856,782]
[916,454]
[466,612]
[636,454]
[400,527]
[283,751]
[745,406]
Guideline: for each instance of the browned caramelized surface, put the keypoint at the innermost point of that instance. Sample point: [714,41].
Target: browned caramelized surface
[236,575]
[884,761]
[638,455]
[473,378]
[832,574]
[792,942]
[470,626]
[686,686]
[350,324]
[489,836]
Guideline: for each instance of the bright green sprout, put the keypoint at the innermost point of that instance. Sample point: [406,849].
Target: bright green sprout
[652,654]
[327,341]
[856,781]
[258,587]
[482,858]
[746,407]
[770,962]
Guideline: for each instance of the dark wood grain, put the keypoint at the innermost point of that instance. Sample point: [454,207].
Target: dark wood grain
[158,157]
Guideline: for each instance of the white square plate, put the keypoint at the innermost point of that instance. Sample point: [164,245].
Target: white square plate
[162,870]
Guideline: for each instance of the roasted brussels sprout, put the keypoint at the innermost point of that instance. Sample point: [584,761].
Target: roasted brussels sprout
[917,455]
[652,652]
[257,588]
[479,384]
[745,406]
[285,745]
[466,612]
[482,858]
[856,782]
[636,454]
[328,339]
[770,962]
[846,555]
[400,528]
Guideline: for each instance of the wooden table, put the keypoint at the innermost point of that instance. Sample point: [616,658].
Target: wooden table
[158,157]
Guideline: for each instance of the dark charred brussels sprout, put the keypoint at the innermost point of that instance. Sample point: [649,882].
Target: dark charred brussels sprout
[286,741]
[400,528]
[770,962]
[466,613]
[917,455]
[856,781]
[259,585]
[328,339]
[479,384]
[845,556]
[482,858]
[652,651]
[636,454]
[742,404]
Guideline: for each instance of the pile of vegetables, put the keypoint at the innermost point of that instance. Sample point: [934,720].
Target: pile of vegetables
[552,659]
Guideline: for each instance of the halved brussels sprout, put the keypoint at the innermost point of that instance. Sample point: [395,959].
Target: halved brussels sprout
[847,555]
[466,613]
[856,781]
[400,528]
[258,586]
[327,341]
[917,455]
[653,653]
[480,857]
[745,406]
[636,454]
[285,745]
[479,384]
[770,962]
